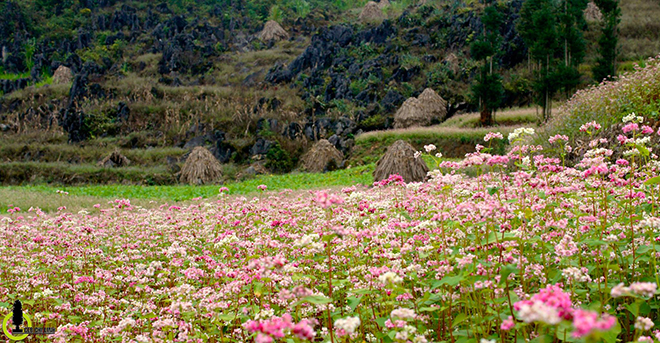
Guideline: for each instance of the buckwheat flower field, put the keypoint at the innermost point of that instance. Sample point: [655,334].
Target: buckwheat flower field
[526,250]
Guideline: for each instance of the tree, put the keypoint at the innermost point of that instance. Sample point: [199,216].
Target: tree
[488,89]
[571,26]
[606,64]
[538,28]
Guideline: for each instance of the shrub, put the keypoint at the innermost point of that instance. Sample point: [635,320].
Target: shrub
[609,101]
[278,159]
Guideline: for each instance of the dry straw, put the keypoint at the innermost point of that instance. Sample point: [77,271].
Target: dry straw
[62,75]
[115,159]
[323,156]
[372,12]
[421,111]
[201,167]
[272,32]
[400,159]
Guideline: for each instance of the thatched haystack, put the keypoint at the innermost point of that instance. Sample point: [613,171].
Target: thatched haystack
[592,13]
[452,61]
[400,159]
[115,159]
[62,75]
[383,3]
[421,111]
[201,167]
[372,12]
[433,103]
[272,32]
[323,156]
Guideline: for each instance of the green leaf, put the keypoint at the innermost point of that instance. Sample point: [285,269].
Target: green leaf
[611,335]
[448,280]
[493,190]
[353,302]
[652,181]
[564,332]
[328,238]
[317,299]
[459,319]
[508,270]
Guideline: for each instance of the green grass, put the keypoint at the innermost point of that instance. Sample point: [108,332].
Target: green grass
[47,198]
[452,142]
[10,76]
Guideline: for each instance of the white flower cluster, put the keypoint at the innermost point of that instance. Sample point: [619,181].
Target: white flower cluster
[574,274]
[403,313]
[519,132]
[632,117]
[390,277]
[539,312]
[407,331]
[643,323]
[306,240]
[348,324]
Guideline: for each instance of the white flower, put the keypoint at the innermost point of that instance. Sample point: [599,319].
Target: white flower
[429,147]
[348,324]
[390,277]
[539,312]
[403,313]
[483,340]
[438,155]
[643,323]
[417,154]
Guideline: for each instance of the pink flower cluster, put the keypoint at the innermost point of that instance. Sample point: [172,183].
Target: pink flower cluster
[586,322]
[549,305]
[277,327]
[326,200]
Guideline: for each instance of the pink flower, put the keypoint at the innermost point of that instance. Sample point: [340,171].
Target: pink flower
[261,338]
[262,187]
[223,189]
[630,127]
[585,322]
[557,138]
[647,129]
[493,135]
[508,324]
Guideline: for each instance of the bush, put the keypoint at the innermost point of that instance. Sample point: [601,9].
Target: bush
[608,102]
[278,159]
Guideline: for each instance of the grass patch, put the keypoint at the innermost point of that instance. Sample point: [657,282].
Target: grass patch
[18,173]
[82,196]
[451,142]
[510,117]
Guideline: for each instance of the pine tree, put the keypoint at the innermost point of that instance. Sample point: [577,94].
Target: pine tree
[488,89]
[571,27]
[539,29]
[606,64]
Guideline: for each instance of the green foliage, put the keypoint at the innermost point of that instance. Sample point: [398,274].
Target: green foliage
[487,90]
[278,159]
[29,47]
[409,61]
[275,14]
[607,43]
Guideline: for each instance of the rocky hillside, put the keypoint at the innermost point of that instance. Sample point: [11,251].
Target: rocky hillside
[166,77]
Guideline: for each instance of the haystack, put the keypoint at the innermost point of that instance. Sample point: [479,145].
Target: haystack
[421,111]
[323,156]
[372,12]
[400,159]
[115,159]
[62,75]
[592,13]
[451,60]
[272,32]
[383,3]
[201,167]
